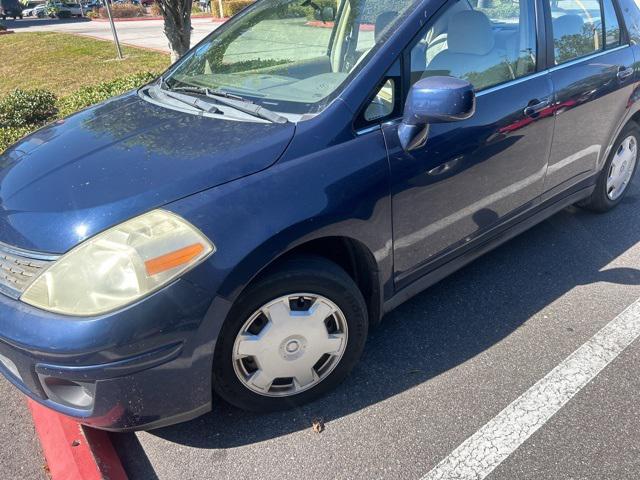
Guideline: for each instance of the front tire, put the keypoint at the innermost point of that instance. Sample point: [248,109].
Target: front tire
[617,173]
[293,335]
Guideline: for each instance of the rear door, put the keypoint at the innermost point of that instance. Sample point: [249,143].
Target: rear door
[592,75]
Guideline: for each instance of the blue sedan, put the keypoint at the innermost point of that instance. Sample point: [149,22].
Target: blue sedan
[238,225]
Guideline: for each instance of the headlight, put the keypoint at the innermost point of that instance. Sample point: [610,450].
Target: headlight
[120,265]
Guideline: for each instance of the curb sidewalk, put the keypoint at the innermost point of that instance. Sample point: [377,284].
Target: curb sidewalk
[73,451]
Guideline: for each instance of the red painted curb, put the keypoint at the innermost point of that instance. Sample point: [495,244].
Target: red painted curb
[73,451]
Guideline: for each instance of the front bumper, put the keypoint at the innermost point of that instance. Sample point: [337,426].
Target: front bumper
[145,366]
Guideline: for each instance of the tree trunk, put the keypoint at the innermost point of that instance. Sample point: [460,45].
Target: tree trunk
[177,25]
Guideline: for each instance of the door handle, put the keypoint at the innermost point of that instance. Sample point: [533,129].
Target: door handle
[624,73]
[536,106]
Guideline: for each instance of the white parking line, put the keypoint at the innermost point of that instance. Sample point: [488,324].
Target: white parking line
[482,452]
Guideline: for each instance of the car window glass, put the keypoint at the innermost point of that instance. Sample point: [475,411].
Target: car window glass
[484,42]
[382,104]
[611,25]
[290,55]
[375,17]
[577,28]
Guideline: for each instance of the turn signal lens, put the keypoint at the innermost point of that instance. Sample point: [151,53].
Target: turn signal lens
[120,265]
[173,259]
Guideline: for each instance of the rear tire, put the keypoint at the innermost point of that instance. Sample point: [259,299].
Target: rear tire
[617,173]
[331,317]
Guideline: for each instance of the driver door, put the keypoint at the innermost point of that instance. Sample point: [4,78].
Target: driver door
[472,175]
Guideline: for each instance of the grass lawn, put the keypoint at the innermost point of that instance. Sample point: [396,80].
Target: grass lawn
[61,63]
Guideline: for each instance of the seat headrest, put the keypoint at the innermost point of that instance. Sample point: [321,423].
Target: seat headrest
[470,32]
[382,22]
[567,25]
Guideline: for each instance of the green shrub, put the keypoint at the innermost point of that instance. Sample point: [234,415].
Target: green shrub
[311,13]
[91,94]
[10,135]
[23,111]
[22,108]
[156,11]
[234,6]
[502,9]
[250,65]
[123,10]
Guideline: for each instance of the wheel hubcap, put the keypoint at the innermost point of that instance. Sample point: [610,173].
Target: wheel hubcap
[290,344]
[622,166]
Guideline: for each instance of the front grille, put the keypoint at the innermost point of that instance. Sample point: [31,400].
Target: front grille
[18,268]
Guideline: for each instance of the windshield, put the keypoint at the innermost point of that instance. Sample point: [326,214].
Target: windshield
[289,56]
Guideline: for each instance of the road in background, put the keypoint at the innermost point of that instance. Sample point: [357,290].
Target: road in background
[143,33]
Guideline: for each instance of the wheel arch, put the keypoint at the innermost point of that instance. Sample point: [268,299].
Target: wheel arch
[635,118]
[350,254]
[628,119]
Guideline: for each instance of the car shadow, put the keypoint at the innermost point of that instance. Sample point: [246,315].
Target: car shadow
[442,327]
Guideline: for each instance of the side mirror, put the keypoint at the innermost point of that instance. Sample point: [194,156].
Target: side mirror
[434,100]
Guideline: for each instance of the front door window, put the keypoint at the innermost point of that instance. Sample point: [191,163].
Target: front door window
[485,45]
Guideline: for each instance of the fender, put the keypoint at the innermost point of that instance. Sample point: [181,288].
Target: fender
[342,191]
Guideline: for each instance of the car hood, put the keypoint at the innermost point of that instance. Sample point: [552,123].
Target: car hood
[97,168]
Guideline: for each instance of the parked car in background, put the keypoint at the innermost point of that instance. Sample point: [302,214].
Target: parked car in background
[92,5]
[10,8]
[61,9]
[238,224]
[30,5]
[38,11]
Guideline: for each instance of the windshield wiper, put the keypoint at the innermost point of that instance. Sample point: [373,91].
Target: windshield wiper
[192,101]
[234,101]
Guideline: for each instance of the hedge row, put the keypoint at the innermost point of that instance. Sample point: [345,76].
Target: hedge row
[122,10]
[23,111]
[231,7]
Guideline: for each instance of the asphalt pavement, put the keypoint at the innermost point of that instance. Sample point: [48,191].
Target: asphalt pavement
[443,365]
[20,453]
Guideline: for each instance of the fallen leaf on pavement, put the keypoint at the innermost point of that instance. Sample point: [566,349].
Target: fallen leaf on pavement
[317,425]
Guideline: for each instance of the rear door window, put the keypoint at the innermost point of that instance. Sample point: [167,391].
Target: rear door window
[611,25]
[577,29]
